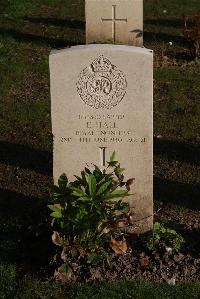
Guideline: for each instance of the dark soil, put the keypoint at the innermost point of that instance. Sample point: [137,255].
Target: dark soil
[160,268]
[140,264]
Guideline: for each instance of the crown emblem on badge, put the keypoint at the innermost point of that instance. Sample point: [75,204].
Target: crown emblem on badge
[101,65]
[101,85]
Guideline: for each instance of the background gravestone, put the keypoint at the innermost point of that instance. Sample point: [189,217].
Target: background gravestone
[116,21]
[101,98]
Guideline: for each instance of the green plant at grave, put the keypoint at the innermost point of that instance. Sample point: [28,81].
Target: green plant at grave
[89,214]
[164,238]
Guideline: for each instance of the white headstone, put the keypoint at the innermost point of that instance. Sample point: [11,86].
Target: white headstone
[117,21]
[101,101]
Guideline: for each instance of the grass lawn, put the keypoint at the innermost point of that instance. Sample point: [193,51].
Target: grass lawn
[34,288]
[28,31]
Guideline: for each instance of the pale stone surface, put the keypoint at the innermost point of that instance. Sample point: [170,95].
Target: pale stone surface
[120,21]
[101,101]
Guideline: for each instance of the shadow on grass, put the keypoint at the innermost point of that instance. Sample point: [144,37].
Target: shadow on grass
[26,157]
[175,23]
[192,238]
[70,23]
[177,150]
[185,195]
[24,230]
[164,37]
[182,194]
[48,41]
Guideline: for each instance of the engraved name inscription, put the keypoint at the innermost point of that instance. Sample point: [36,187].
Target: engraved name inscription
[103,129]
[101,85]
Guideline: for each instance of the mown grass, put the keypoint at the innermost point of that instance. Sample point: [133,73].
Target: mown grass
[28,31]
[35,288]
[176,103]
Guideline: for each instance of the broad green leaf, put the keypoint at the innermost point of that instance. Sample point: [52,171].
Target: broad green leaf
[77,192]
[157,226]
[85,198]
[56,214]
[119,192]
[109,175]
[92,184]
[54,208]
[62,181]
[83,177]
[119,170]
[102,181]
[113,163]
[97,171]
[112,157]
[103,188]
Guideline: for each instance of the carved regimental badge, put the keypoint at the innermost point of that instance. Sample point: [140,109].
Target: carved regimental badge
[101,85]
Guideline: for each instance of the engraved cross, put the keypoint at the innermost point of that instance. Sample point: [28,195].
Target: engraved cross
[102,156]
[114,20]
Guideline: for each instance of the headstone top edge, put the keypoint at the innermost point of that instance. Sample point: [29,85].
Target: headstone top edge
[127,48]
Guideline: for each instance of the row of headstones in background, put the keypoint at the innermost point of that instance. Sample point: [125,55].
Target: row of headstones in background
[116,21]
[101,101]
